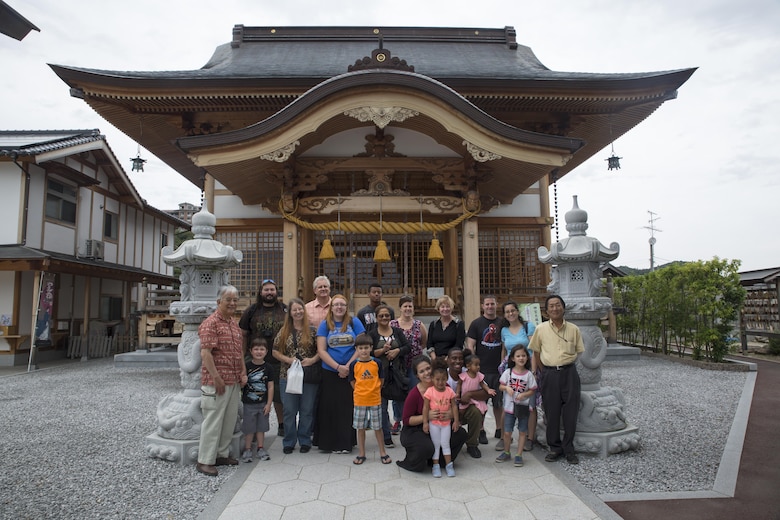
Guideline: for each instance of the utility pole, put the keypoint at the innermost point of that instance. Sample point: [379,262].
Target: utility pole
[651,241]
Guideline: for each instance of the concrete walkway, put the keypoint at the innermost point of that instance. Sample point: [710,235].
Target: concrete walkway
[328,486]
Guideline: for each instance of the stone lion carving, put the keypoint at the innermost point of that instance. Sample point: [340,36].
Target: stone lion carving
[179,417]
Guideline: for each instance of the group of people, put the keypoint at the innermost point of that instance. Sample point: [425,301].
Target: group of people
[438,379]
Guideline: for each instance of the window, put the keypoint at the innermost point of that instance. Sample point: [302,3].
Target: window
[509,265]
[263,258]
[110,308]
[110,225]
[61,201]
[163,239]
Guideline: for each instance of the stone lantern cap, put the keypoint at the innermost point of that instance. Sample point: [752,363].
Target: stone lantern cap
[202,250]
[578,247]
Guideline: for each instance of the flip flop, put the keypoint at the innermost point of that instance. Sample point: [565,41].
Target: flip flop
[385,459]
[359,460]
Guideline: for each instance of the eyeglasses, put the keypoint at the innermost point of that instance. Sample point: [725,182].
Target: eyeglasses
[382,315]
[338,304]
[267,281]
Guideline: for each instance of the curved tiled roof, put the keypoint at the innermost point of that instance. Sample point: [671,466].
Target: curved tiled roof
[297,53]
[34,142]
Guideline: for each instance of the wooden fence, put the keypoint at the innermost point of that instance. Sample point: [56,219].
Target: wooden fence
[99,346]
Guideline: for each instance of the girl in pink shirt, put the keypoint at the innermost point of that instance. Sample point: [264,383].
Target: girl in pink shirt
[440,398]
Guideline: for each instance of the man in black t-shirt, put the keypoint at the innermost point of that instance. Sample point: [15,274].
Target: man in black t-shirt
[484,339]
[367,315]
[264,319]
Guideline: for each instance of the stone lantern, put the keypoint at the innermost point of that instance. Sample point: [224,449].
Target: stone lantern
[203,262]
[602,427]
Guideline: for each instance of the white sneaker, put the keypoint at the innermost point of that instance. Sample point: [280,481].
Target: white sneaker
[450,469]
[262,454]
[436,471]
[247,455]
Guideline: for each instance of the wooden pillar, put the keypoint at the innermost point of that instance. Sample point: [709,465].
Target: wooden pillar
[612,330]
[85,332]
[451,266]
[142,316]
[308,259]
[471,290]
[208,193]
[290,261]
[32,362]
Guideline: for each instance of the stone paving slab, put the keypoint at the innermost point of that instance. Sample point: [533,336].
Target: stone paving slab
[324,485]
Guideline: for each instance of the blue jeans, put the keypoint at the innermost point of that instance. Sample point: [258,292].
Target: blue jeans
[398,411]
[300,406]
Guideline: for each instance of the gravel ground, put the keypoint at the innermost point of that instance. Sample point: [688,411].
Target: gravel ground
[684,415]
[72,440]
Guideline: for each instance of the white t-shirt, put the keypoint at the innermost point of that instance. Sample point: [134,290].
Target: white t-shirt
[518,383]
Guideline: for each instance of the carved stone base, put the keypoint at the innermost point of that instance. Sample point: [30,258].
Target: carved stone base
[602,444]
[183,452]
[617,352]
[158,358]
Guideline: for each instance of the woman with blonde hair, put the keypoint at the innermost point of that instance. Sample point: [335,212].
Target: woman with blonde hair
[447,332]
[336,347]
[297,340]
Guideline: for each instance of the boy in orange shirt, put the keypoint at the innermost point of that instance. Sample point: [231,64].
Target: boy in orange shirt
[365,376]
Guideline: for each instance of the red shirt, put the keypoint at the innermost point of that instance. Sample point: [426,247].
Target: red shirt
[224,339]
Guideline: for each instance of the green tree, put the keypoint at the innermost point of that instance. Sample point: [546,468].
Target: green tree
[692,306]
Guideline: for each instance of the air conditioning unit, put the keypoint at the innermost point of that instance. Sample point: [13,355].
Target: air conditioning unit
[94,249]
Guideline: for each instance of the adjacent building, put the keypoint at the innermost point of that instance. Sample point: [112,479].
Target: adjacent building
[76,243]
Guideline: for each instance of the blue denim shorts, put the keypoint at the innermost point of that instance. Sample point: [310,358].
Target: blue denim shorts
[510,420]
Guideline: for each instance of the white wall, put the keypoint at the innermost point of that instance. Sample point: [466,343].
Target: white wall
[11,185]
[58,238]
[524,205]
[7,293]
[36,206]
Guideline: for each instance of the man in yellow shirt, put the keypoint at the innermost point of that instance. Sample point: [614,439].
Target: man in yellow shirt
[556,344]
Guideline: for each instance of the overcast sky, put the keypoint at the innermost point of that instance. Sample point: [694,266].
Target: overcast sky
[706,163]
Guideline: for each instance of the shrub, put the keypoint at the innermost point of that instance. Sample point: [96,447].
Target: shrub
[774,346]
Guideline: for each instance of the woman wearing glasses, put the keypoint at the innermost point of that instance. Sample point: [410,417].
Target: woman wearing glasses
[519,332]
[336,347]
[390,348]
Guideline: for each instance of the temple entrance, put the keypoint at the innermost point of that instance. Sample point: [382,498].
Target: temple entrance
[408,272]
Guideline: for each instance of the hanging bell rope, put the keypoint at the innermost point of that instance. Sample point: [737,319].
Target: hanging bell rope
[327,252]
[381,254]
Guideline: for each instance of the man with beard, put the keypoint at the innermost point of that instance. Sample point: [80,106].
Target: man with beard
[264,319]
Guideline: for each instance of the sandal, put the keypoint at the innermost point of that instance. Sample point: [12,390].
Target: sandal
[386,459]
[359,460]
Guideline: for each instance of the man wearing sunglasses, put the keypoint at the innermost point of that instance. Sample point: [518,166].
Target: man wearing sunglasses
[264,319]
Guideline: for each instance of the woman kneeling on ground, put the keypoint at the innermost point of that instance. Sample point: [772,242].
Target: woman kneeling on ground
[418,444]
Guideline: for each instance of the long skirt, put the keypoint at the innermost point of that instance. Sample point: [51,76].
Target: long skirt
[419,447]
[334,414]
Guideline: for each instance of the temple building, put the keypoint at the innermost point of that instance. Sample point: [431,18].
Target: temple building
[364,137]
